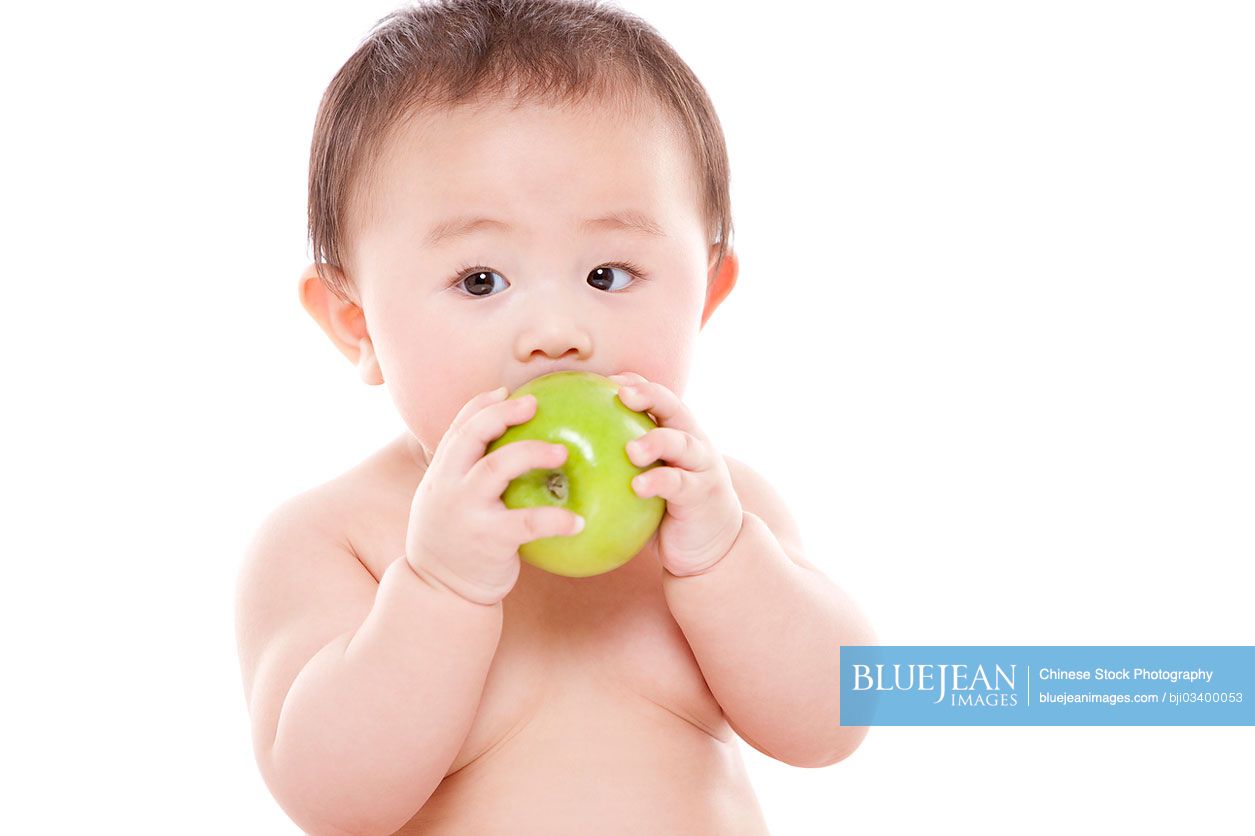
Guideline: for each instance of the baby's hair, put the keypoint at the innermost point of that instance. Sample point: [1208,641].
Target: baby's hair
[433,55]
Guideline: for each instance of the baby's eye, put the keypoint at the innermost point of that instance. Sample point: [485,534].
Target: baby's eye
[480,283]
[602,278]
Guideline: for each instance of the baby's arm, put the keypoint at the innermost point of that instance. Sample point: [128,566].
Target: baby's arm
[317,636]
[765,627]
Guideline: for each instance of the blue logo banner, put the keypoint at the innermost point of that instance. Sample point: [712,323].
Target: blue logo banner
[1047,686]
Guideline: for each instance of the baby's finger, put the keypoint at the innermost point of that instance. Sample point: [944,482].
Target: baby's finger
[492,473]
[527,524]
[475,404]
[665,405]
[469,442]
[670,445]
[682,489]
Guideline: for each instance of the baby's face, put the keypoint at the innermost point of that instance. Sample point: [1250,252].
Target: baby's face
[542,282]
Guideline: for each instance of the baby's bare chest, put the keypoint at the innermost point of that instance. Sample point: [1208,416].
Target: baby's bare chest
[606,637]
[572,648]
[610,639]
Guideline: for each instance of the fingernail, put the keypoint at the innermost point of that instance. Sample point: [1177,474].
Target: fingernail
[579,524]
[497,393]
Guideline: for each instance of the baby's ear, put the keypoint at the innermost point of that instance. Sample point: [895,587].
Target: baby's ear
[719,283]
[341,320]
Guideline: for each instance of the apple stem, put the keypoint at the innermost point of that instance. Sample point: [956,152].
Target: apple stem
[557,486]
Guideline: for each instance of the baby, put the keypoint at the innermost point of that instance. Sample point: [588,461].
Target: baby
[500,189]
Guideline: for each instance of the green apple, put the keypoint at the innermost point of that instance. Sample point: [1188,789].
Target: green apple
[582,411]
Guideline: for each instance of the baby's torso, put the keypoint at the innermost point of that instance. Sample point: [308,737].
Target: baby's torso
[594,717]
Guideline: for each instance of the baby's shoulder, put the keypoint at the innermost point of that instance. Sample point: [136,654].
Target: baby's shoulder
[328,507]
[758,497]
[349,510]
[366,507]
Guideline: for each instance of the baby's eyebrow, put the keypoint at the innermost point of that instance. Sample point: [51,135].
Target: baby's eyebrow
[628,219]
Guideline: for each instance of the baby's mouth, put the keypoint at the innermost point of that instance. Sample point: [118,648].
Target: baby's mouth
[541,371]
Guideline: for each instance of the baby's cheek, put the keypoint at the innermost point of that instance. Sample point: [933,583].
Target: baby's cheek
[662,359]
[427,399]
[668,375]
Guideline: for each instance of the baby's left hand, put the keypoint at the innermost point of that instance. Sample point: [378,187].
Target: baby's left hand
[704,514]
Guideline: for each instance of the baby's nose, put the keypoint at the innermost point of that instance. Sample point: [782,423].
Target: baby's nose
[555,338]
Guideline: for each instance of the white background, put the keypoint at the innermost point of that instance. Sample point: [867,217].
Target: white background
[992,340]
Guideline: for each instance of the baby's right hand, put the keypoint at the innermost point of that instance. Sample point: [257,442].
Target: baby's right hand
[460,533]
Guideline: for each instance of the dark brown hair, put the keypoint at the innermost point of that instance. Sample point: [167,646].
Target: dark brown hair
[448,52]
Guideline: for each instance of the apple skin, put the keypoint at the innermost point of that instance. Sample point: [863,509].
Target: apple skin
[582,411]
